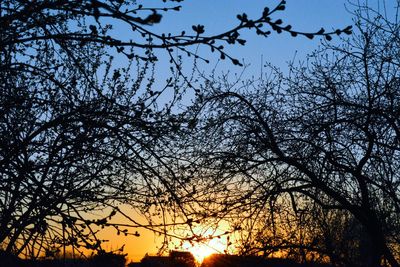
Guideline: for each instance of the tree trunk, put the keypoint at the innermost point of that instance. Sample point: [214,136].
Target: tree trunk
[373,249]
[370,252]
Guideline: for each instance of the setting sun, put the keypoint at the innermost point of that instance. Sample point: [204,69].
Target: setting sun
[203,250]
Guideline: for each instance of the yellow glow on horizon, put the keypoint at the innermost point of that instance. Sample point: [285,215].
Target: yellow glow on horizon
[148,243]
[202,250]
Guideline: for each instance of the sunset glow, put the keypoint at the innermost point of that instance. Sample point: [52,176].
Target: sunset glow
[202,250]
[148,133]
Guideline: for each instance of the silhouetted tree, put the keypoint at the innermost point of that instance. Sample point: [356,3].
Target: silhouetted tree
[73,24]
[307,163]
[74,146]
[79,135]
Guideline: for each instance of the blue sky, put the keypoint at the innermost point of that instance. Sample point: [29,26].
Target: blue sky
[220,15]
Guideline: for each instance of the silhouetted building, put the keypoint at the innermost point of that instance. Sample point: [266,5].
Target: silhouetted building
[135,264]
[175,259]
[155,261]
[222,260]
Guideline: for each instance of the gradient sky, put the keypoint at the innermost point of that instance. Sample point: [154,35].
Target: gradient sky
[220,15]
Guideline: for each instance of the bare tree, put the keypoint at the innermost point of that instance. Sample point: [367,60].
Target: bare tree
[308,162]
[71,148]
[72,24]
[80,136]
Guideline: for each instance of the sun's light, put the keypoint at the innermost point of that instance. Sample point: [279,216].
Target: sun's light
[203,250]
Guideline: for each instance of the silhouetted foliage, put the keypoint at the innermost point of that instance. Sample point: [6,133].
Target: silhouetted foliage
[102,259]
[306,165]
[9,259]
[221,260]
[73,24]
[80,136]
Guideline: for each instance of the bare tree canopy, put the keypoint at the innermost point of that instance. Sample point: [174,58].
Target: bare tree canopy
[306,164]
[80,136]
[75,23]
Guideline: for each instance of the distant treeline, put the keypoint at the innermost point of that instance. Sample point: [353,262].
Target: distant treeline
[106,259]
[221,260]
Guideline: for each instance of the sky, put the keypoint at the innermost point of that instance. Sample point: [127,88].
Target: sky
[220,15]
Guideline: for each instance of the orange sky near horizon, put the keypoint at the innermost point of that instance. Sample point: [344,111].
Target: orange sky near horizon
[149,242]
